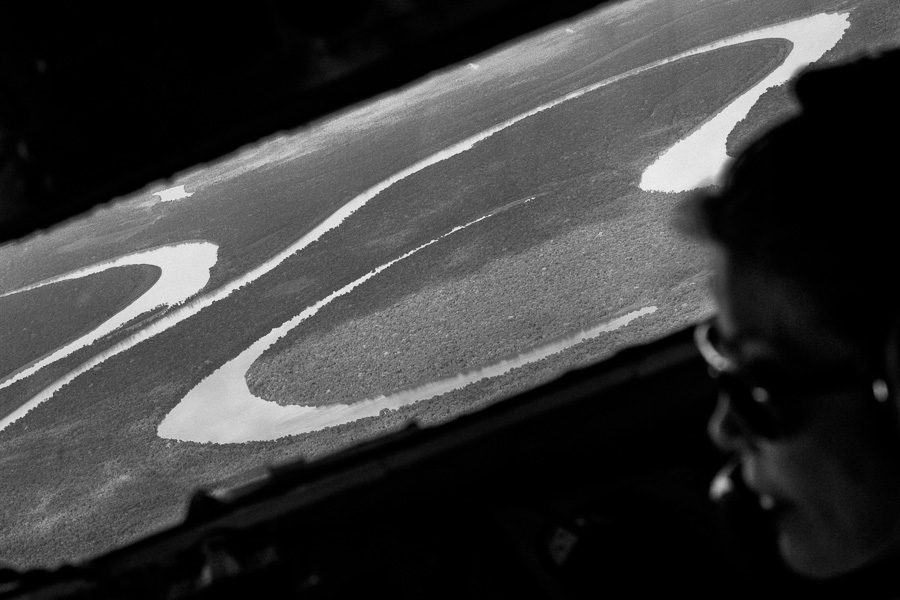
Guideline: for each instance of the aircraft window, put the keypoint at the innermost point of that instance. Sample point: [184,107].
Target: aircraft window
[417,257]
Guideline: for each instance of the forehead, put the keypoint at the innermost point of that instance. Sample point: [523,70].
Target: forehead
[764,315]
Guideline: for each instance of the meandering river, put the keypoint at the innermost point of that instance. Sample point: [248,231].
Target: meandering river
[184,271]
[222,409]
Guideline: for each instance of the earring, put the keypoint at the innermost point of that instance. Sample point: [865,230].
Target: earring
[880,390]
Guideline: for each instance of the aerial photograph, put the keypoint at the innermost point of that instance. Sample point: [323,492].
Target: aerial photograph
[420,256]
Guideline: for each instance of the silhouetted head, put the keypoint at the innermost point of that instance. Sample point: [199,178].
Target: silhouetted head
[805,232]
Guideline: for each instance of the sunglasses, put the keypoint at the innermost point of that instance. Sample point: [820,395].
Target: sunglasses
[768,409]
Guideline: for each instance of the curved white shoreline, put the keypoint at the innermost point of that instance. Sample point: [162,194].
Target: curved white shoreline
[699,148]
[222,409]
[184,272]
[700,158]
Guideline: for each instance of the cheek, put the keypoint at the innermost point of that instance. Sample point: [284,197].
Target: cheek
[842,504]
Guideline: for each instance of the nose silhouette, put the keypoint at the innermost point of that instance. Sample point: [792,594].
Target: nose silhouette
[727,430]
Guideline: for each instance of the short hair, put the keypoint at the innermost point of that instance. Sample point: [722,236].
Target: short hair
[816,199]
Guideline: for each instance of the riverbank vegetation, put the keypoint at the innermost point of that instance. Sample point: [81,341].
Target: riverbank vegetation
[36,322]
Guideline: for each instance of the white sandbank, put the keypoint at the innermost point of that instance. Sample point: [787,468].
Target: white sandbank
[172,194]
